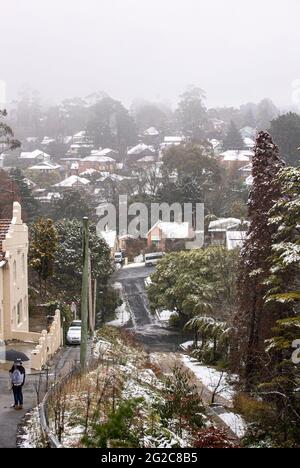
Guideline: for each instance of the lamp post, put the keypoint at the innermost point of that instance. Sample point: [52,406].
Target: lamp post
[84,295]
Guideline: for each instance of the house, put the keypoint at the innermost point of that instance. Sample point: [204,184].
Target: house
[14,311]
[248,132]
[97,161]
[13,276]
[45,168]
[217,145]
[235,239]
[30,158]
[249,143]
[47,141]
[245,173]
[219,229]
[138,152]
[172,141]
[111,238]
[236,158]
[164,233]
[151,137]
[72,181]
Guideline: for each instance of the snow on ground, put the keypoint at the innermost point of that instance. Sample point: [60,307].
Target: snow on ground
[185,346]
[165,315]
[211,377]
[235,422]
[134,265]
[122,316]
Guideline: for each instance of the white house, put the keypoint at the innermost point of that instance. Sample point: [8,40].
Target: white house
[45,167]
[13,276]
[230,232]
[73,181]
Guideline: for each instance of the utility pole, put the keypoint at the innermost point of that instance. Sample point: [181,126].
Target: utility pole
[84,295]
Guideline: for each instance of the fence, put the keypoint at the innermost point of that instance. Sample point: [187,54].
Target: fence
[51,438]
[48,344]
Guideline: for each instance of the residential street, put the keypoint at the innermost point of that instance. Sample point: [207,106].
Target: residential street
[155,336]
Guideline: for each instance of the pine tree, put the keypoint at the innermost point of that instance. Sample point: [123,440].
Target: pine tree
[284,281]
[233,139]
[7,140]
[255,320]
[43,248]
[30,206]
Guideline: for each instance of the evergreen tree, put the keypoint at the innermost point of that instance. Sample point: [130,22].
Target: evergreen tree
[74,204]
[192,113]
[233,139]
[43,249]
[7,140]
[284,281]
[255,320]
[285,130]
[30,206]
[8,194]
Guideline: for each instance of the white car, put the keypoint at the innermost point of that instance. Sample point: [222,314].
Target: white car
[74,333]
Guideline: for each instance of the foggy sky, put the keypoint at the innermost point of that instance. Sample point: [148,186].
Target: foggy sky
[236,50]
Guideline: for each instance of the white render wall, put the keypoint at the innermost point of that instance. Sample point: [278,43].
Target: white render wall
[1,305]
[15,277]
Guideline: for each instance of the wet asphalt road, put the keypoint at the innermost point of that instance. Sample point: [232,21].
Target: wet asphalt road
[155,336]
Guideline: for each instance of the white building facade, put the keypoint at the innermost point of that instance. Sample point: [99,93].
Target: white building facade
[14,315]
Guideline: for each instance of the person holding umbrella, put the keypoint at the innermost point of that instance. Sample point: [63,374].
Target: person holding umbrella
[17,377]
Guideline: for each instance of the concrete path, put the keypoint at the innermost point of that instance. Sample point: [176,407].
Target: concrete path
[10,419]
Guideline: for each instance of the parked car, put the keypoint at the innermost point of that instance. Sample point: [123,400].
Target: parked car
[119,259]
[74,333]
[152,259]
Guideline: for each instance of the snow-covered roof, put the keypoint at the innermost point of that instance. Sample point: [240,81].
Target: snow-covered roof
[101,159]
[74,166]
[89,172]
[249,142]
[146,159]
[215,143]
[47,140]
[49,197]
[108,175]
[223,224]
[152,131]
[73,180]
[110,238]
[34,155]
[237,155]
[172,230]
[235,239]
[174,139]
[140,148]
[45,166]
[104,152]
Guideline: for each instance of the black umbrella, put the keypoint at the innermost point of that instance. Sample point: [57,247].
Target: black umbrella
[12,355]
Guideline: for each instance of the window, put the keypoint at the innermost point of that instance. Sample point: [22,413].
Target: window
[23,264]
[20,313]
[15,272]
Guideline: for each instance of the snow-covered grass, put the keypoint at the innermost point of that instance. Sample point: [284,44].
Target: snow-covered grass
[186,345]
[31,436]
[235,422]
[212,378]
